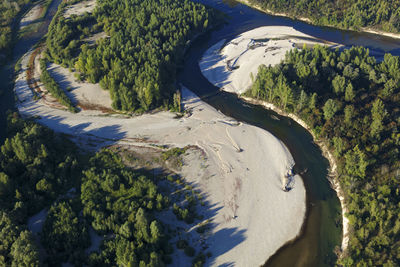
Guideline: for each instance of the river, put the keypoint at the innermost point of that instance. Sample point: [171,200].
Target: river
[7,98]
[322,229]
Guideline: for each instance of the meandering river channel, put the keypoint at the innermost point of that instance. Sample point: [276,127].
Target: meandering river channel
[322,229]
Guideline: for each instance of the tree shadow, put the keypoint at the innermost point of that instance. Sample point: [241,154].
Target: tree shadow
[85,137]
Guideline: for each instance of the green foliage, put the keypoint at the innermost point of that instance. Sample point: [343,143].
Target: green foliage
[64,234]
[381,14]
[138,62]
[378,113]
[329,109]
[358,116]
[35,167]
[32,169]
[120,201]
[24,251]
[54,89]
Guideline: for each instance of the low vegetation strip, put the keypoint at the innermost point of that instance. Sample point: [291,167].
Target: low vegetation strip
[351,101]
[54,89]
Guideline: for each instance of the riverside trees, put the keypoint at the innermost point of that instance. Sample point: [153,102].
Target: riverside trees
[350,101]
[380,14]
[139,59]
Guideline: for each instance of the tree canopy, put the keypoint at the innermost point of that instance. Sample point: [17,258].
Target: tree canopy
[351,102]
[349,14]
[138,60]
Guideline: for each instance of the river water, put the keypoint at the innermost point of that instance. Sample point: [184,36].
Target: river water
[7,97]
[322,229]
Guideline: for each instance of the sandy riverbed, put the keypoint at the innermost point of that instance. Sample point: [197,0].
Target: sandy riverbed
[241,175]
[275,42]
[80,8]
[244,54]
[31,16]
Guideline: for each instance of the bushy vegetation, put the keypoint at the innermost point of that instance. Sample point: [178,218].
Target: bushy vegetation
[139,59]
[352,102]
[54,89]
[349,14]
[65,233]
[119,201]
[35,167]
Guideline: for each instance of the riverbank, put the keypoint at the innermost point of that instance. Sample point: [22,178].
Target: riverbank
[252,217]
[231,67]
[270,12]
[333,176]
[307,20]
[234,65]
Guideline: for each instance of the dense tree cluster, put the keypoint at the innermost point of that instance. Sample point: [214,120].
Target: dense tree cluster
[32,169]
[352,102]
[35,167]
[52,86]
[138,61]
[355,14]
[122,202]
[65,233]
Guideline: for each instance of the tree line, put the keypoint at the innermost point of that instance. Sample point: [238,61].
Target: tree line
[348,14]
[52,86]
[351,101]
[138,62]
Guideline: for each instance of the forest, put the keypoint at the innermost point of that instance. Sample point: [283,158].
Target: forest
[350,101]
[348,14]
[41,170]
[138,60]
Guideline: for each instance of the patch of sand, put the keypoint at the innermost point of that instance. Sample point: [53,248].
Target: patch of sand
[80,8]
[91,40]
[31,16]
[253,217]
[81,93]
[244,54]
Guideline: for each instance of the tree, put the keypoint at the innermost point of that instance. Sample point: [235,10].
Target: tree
[64,233]
[348,113]
[330,108]
[338,84]
[349,94]
[302,102]
[313,101]
[378,114]
[356,163]
[24,251]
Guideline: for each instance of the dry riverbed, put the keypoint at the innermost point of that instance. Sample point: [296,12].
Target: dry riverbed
[239,170]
